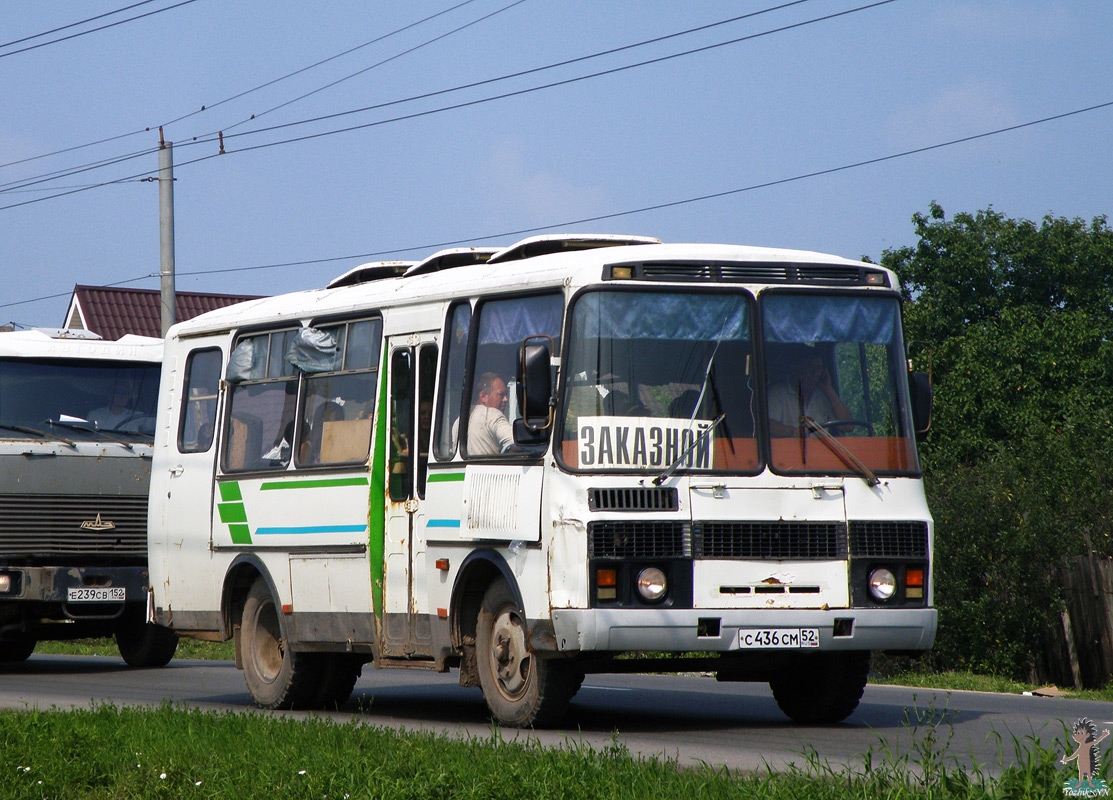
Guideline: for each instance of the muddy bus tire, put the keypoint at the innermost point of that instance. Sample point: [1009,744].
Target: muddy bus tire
[823,688]
[522,690]
[146,645]
[276,676]
[15,650]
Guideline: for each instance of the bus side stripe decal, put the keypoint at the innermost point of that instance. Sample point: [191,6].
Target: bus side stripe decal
[321,483]
[311,529]
[443,523]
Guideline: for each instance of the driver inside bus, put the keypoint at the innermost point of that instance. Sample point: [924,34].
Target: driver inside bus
[119,409]
[805,389]
[489,431]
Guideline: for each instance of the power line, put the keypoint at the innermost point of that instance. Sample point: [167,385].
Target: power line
[207,137]
[209,106]
[456,106]
[75,24]
[433,246]
[94,30]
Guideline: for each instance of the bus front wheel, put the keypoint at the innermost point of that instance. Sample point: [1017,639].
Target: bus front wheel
[276,676]
[822,688]
[522,690]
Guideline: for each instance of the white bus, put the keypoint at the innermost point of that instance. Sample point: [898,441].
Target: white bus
[572,455]
[77,415]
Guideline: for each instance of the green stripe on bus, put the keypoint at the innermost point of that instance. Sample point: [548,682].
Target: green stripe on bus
[241,534]
[230,491]
[376,502]
[232,512]
[444,477]
[320,483]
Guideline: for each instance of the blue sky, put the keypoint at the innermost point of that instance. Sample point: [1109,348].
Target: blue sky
[812,97]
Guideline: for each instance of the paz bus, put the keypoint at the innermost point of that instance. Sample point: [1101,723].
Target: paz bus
[77,416]
[573,455]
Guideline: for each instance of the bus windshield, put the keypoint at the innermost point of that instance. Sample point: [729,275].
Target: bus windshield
[649,371]
[834,364]
[81,396]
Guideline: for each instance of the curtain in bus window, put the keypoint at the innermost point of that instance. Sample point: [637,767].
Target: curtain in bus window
[314,350]
[658,316]
[512,320]
[807,318]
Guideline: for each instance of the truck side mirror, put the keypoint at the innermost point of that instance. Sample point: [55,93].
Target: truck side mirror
[535,384]
[919,385]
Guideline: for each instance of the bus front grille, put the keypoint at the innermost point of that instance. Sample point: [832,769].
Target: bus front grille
[893,539]
[36,525]
[770,541]
[617,539]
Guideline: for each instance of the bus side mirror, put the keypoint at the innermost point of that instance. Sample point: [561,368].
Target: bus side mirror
[919,385]
[535,384]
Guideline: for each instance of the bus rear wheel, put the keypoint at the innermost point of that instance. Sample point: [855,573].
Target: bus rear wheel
[522,690]
[276,676]
[822,688]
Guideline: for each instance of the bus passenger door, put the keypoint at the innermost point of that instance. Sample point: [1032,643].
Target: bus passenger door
[412,366]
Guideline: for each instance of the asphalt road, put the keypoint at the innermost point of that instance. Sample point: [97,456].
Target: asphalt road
[690,718]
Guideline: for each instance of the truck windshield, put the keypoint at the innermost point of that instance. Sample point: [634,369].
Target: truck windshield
[836,362]
[99,395]
[648,371]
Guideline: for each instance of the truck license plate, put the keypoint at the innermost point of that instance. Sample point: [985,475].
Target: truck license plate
[767,638]
[93,594]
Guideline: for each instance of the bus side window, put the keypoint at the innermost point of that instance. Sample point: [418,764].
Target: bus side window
[452,380]
[426,377]
[338,408]
[261,398]
[503,324]
[198,417]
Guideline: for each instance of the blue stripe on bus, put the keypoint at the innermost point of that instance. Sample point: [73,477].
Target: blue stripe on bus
[312,529]
[443,523]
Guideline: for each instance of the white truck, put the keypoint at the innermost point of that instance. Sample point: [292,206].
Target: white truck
[77,415]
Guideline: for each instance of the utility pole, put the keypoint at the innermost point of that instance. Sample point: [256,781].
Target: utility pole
[166,229]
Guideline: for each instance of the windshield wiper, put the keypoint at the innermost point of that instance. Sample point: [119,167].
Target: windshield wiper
[664,476]
[839,449]
[91,428]
[37,432]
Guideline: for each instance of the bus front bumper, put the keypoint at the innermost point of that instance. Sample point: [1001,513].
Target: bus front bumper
[710,630]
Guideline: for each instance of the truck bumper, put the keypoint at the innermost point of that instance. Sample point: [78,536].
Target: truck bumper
[709,630]
[47,589]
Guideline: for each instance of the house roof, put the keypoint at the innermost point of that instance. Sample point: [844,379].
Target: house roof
[112,312]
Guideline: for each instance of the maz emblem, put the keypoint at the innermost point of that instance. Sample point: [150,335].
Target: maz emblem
[98,524]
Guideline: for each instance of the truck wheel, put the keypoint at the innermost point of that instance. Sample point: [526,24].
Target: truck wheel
[521,689]
[146,645]
[13,650]
[822,688]
[276,676]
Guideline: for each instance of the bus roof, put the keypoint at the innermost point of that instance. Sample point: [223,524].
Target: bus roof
[450,275]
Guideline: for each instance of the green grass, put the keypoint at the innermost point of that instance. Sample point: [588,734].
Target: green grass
[187,648]
[120,753]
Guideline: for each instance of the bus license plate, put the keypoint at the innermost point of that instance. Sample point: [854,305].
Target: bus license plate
[767,638]
[91,594]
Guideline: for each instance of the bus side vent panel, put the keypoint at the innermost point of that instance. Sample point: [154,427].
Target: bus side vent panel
[634,498]
[881,538]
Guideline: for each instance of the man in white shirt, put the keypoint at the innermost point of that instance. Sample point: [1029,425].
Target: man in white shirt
[489,431]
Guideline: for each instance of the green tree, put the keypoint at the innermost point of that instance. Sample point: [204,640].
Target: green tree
[1018,321]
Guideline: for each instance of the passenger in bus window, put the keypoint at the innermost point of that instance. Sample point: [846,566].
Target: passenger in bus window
[807,389]
[489,431]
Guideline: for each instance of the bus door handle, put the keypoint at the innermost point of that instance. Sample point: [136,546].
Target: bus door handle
[176,471]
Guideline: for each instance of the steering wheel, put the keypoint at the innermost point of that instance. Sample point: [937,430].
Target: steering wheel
[848,423]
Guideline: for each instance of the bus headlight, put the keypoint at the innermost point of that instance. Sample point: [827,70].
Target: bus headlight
[652,584]
[883,584]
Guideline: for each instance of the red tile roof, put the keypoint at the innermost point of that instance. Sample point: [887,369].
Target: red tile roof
[112,312]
